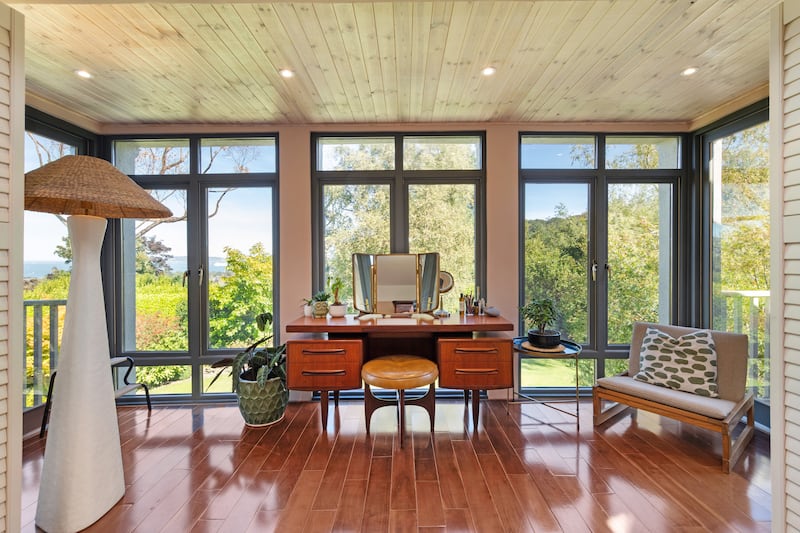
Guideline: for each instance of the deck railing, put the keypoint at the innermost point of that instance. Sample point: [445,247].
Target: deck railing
[43,319]
[748,312]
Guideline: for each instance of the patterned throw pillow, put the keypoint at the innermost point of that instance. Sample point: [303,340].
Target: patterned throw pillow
[688,363]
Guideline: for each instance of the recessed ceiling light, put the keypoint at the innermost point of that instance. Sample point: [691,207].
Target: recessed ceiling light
[488,71]
[83,74]
[688,71]
[286,73]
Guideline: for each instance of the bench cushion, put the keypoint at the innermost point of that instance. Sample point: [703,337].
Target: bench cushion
[711,407]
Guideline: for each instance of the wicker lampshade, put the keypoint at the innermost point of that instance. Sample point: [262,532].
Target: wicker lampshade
[85,185]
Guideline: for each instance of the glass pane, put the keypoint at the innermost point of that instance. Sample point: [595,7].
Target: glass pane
[639,256]
[237,156]
[556,252]
[615,366]
[240,264]
[355,219]
[154,295]
[548,151]
[555,372]
[152,157]
[355,153]
[167,379]
[740,244]
[441,218]
[442,153]
[221,378]
[47,258]
[642,152]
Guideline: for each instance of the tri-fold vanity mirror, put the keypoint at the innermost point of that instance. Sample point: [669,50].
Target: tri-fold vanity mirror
[398,283]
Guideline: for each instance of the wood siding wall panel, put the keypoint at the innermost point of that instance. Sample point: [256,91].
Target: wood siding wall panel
[785,76]
[5,218]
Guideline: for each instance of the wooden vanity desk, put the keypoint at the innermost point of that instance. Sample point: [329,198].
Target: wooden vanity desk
[470,358]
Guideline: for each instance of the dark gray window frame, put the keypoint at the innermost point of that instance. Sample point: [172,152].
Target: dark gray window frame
[398,180]
[701,274]
[598,179]
[194,183]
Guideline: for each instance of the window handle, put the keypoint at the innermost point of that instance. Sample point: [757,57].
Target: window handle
[185,277]
[594,270]
[200,276]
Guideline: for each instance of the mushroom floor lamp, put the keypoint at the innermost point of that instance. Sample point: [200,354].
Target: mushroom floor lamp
[82,475]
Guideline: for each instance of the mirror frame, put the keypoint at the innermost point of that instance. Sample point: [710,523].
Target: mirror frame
[365,287]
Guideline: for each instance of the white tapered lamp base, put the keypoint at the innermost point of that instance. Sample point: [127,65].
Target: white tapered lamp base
[82,475]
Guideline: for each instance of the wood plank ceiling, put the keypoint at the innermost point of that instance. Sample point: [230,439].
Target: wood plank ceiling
[408,61]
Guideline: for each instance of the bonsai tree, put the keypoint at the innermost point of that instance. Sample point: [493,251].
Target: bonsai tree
[540,312]
[336,286]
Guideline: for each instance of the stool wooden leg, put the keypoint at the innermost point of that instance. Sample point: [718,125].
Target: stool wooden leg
[402,400]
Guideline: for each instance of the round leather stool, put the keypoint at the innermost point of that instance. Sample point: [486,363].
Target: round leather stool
[399,372]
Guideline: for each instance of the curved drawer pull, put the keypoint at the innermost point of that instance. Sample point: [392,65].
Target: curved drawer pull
[461,349]
[324,372]
[474,371]
[324,351]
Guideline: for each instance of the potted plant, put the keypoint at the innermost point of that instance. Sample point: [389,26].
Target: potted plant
[541,312]
[319,304]
[337,308]
[259,379]
[308,307]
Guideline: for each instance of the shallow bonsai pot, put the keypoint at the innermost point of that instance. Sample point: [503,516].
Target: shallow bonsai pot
[549,339]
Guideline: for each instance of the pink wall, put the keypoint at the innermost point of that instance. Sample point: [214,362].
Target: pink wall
[501,210]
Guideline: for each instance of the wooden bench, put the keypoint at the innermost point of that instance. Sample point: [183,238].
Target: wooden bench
[722,414]
[126,387]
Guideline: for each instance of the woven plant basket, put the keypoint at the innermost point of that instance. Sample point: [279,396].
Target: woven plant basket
[262,406]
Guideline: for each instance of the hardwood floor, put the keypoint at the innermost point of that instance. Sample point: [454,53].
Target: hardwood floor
[199,468]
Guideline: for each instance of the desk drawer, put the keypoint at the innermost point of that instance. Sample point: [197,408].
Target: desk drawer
[475,363]
[324,364]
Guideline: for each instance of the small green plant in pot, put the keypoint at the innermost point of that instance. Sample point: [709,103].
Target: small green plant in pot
[337,308]
[320,304]
[259,379]
[541,312]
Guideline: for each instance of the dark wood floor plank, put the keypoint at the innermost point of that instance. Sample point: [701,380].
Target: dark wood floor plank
[376,508]
[502,493]
[350,513]
[450,482]
[333,480]
[199,468]
[430,511]
[404,495]
[479,499]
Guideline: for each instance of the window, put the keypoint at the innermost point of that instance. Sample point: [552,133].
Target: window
[738,166]
[47,257]
[598,236]
[369,200]
[191,285]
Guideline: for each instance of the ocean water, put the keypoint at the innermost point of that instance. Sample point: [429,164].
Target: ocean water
[40,269]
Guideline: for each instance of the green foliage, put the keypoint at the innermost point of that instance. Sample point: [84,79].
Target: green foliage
[321,296]
[254,364]
[153,376]
[235,299]
[335,286]
[540,312]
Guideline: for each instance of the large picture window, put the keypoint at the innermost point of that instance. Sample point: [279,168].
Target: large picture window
[395,193]
[598,235]
[190,286]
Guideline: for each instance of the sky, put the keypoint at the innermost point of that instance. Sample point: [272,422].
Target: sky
[243,220]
